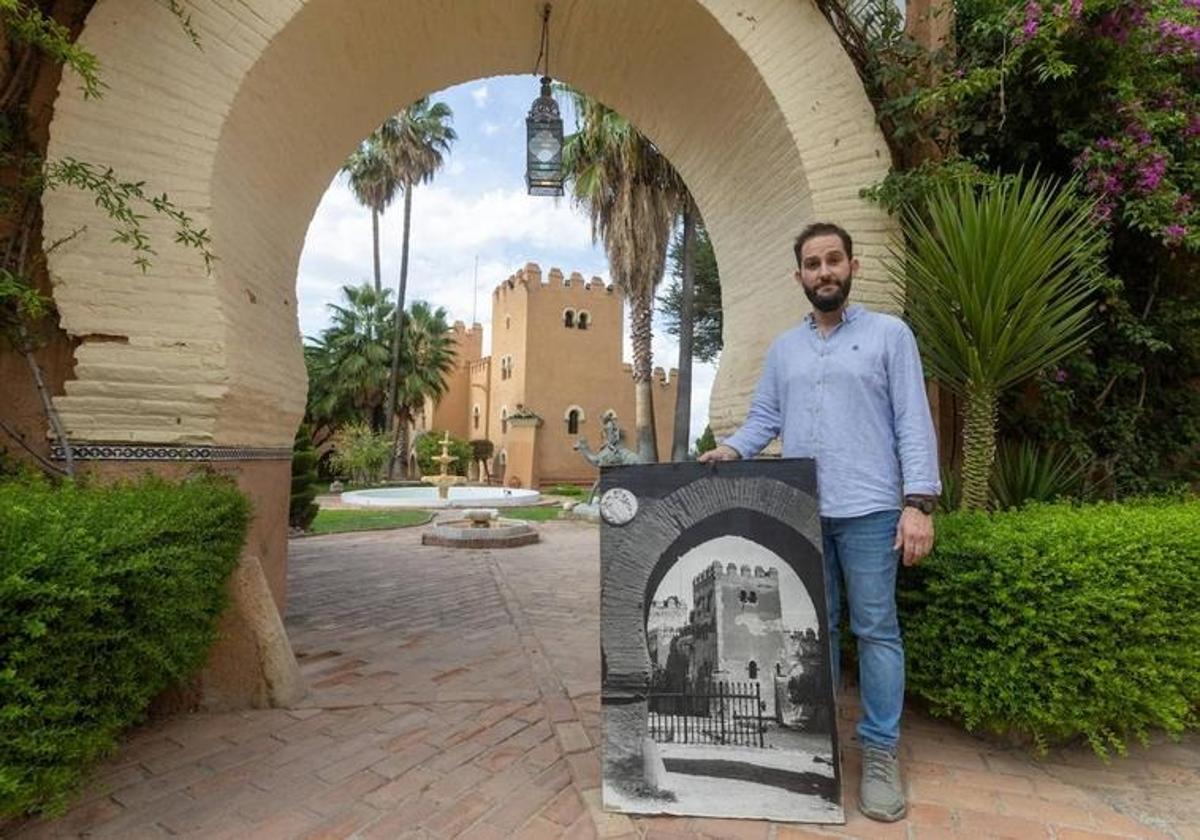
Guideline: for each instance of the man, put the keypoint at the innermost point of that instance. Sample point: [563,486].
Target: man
[845,387]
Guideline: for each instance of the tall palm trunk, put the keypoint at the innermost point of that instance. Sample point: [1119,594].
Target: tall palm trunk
[400,444]
[683,391]
[979,445]
[394,377]
[643,394]
[375,243]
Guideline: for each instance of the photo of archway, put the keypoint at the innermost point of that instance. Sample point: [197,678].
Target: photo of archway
[716,690]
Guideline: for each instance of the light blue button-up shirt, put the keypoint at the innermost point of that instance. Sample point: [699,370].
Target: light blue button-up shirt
[854,400]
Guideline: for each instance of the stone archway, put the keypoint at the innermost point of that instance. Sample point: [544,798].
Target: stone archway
[754,102]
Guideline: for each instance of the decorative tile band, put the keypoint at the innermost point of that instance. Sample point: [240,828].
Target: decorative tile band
[169,452]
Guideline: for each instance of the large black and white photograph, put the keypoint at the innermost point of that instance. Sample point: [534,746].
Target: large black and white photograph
[717,699]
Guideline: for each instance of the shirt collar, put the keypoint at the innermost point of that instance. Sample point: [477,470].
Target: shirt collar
[848,314]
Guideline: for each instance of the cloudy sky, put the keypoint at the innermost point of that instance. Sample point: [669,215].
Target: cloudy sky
[475,209]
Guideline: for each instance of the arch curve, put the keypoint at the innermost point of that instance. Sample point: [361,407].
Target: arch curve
[229,132]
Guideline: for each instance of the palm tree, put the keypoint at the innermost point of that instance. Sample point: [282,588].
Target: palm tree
[427,359]
[348,362]
[414,142]
[997,284]
[630,192]
[683,392]
[374,184]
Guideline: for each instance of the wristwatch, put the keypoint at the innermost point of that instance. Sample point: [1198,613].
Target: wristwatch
[925,504]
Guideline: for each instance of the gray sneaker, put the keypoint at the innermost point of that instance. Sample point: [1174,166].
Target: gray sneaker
[881,796]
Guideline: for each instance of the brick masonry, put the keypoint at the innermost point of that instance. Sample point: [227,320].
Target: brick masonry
[456,694]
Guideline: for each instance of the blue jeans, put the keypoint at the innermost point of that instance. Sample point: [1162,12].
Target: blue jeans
[859,558]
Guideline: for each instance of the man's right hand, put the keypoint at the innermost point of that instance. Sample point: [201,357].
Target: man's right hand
[721,453]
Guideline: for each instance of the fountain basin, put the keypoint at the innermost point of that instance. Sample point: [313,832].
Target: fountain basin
[427,497]
[467,533]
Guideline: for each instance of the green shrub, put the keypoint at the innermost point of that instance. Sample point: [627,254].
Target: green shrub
[430,444]
[1025,472]
[706,441]
[566,490]
[302,509]
[1054,622]
[108,595]
[359,453]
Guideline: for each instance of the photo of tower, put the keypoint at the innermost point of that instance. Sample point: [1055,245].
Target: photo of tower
[716,690]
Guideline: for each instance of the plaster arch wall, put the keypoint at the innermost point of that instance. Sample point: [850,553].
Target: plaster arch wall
[753,101]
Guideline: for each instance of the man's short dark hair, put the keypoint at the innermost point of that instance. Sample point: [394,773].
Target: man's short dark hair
[823,229]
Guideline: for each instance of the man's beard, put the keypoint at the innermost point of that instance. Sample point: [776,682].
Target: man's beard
[829,304]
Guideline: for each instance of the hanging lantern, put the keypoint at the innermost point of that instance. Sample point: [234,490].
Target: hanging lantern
[544,130]
[543,143]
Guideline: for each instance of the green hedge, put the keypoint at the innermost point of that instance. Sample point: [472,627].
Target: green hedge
[1054,621]
[108,595]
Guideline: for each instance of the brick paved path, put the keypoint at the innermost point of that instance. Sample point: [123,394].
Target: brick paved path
[455,694]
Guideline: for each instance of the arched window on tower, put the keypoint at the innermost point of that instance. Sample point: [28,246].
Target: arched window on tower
[752,669]
[503,419]
[584,320]
[753,597]
[568,317]
[573,422]
[475,416]
[507,322]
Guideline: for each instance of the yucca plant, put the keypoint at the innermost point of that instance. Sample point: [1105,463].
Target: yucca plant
[996,283]
[1025,472]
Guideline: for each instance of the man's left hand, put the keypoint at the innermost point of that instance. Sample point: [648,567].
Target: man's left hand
[914,534]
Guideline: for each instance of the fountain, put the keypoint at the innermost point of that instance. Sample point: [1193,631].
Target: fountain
[480,528]
[444,491]
[443,481]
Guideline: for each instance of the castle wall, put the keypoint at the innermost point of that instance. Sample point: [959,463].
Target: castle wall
[479,376]
[453,412]
[510,314]
[664,622]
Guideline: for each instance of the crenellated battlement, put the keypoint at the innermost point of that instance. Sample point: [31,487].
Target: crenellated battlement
[733,571]
[658,376]
[529,279]
[462,331]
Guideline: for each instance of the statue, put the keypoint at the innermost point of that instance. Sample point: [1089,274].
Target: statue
[611,452]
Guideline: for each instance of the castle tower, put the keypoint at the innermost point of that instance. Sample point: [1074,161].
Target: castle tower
[556,365]
[738,622]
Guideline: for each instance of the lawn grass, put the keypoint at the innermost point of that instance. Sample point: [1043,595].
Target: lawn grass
[341,521]
[534,513]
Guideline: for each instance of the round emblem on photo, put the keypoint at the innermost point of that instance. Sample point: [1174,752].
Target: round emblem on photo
[618,506]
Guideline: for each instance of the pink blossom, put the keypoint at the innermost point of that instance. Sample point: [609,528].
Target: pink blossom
[1077,8]
[1174,233]
[1150,174]
[1193,126]
[1107,144]
[1177,37]
[1033,16]
[1060,375]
